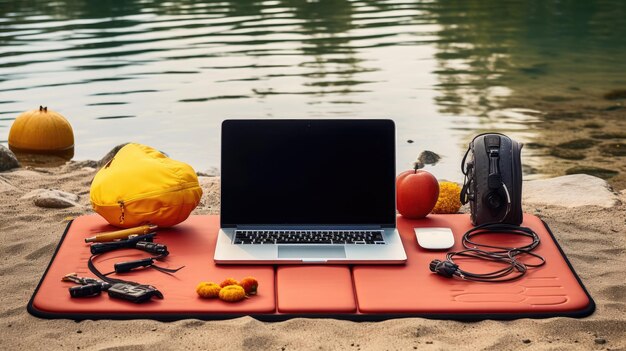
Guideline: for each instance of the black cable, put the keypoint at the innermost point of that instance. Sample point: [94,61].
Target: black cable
[508,256]
[134,243]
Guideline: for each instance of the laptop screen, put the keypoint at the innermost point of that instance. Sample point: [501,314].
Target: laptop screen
[318,172]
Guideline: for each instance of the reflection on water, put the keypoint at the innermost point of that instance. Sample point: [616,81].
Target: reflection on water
[166,73]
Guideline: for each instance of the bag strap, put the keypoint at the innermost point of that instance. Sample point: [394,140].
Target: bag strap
[467,181]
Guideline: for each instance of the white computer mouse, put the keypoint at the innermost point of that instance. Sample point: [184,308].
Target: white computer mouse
[434,238]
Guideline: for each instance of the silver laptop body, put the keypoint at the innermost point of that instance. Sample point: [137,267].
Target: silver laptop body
[308,191]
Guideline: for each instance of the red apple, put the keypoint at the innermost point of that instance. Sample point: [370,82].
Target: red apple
[416,193]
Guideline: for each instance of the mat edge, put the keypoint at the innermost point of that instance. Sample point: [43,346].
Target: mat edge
[591,306]
[30,307]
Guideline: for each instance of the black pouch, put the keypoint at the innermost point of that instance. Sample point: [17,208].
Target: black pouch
[493,179]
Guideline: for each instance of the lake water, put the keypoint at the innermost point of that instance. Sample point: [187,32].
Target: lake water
[166,73]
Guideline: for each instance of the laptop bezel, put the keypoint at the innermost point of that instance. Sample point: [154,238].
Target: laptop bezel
[227,124]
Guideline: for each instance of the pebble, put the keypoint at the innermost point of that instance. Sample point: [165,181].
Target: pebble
[410,141]
[153,329]
[211,172]
[429,157]
[526,341]
[600,341]
[7,159]
[50,198]
[79,331]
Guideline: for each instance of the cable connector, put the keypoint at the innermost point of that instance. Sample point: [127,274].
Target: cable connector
[444,268]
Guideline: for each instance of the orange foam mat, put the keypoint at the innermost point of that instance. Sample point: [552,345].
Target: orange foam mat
[351,292]
[191,244]
[550,290]
[315,289]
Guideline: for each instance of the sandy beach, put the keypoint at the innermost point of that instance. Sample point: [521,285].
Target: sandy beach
[592,237]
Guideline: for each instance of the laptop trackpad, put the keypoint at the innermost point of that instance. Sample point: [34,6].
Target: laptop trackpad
[311,251]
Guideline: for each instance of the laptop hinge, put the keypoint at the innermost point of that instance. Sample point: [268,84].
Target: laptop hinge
[308,226]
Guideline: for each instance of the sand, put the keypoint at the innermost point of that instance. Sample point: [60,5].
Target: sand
[593,239]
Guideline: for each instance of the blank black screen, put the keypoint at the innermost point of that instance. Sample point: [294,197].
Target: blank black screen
[308,172]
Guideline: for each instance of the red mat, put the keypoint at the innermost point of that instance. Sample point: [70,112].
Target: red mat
[366,292]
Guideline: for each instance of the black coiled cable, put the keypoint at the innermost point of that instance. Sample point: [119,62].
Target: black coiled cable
[508,256]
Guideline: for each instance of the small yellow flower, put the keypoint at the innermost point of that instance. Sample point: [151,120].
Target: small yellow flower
[208,290]
[229,281]
[449,200]
[232,293]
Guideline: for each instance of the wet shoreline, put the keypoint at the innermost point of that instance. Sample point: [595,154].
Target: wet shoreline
[578,136]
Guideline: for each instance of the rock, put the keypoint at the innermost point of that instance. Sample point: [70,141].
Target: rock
[616,94]
[526,341]
[87,163]
[567,154]
[592,171]
[569,191]
[7,159]
[592,125]
[108,157]
[211,172]
[613,108]
[609,135]
[614,149]
[429,157]
[600,341]
[50,198]
[578,144]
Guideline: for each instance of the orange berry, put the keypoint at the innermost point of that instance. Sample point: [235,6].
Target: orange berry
[232,293]
[208,290]
[229,281]
[250,285]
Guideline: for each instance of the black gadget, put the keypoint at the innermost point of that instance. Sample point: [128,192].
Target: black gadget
[118,288]
[493,179]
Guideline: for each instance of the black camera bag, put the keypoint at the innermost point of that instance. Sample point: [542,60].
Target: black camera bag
[493,179]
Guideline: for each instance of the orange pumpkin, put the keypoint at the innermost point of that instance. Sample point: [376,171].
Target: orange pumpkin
[41,131]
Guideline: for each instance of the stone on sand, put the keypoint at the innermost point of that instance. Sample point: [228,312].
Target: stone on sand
[211,172]
[108,157]
[574,190]
[7,159]
[51,198]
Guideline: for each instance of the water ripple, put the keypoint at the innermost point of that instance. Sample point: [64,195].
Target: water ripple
[440,69]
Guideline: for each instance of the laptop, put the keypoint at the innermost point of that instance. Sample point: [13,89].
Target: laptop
[308,191]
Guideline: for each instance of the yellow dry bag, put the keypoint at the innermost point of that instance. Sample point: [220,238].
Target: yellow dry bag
[141,185]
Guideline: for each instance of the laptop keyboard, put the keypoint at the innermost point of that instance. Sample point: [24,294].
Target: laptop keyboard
[365,237]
